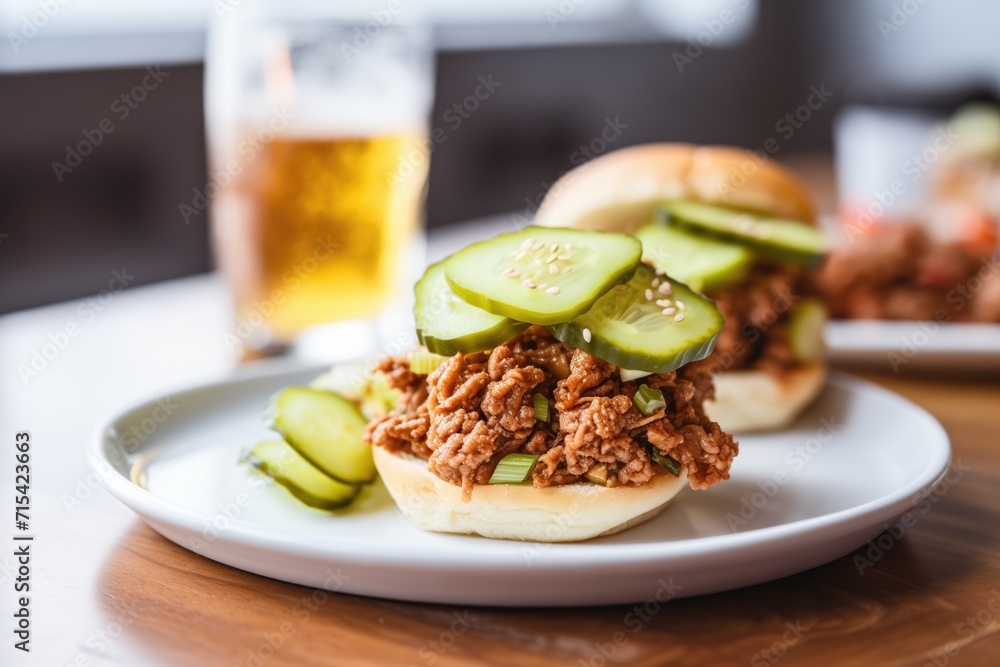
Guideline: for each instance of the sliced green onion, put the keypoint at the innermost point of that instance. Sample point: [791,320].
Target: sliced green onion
[541,408]
[514,469]
[424,363]
[672,465]
[598,474]
[649,400]
[628,375]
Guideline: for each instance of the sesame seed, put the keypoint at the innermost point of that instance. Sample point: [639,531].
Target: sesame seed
[586,335]
[564,256]
[527,283]
[519,256]
[661,272]
[664,288]
[555,247]
[680,304]
[538,245]
[509,270]
[542,286]
[514,275]
[663,303]
[553,269]
[656,282]
[621,287]
[552,290]
[551,259]
[526,245]
[669,311]
[679,317]
[649,295]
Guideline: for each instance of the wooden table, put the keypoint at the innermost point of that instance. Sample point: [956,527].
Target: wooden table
[106,590]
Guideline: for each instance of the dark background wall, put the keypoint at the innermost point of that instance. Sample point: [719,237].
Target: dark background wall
[119,207]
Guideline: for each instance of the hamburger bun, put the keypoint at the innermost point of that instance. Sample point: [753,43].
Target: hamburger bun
[750,400]
[567,513]
[621,191]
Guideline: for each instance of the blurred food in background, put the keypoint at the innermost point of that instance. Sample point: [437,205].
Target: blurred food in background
[922,245]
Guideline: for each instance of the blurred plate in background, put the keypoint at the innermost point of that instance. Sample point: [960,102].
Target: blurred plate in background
[914,346]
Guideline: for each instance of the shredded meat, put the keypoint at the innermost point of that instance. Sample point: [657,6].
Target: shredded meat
[757,310]
[475,409]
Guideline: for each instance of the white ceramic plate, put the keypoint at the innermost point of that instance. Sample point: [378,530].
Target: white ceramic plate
[797,499]
[903,346]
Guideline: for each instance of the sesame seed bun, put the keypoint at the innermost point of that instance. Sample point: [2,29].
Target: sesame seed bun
[567,513]
[621,191]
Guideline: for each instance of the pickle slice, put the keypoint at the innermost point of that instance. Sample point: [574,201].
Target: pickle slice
[325,429]
[542,275]
[702,263]
[644,326]
[788,239]
[281,462]
[805,330]
[446,324]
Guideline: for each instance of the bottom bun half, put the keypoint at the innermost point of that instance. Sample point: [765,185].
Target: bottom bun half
[567,513]
[759,401]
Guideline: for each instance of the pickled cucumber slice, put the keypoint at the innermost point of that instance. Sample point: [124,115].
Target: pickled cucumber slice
[644,326]
[281,462]
[542,275]
[325,429]
[788,239]
[699,261]
[446,324]
[805,330]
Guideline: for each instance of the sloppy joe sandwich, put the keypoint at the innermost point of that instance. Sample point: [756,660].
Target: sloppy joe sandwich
[741,230]
[559,395]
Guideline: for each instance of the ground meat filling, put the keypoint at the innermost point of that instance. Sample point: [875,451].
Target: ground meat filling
[475,409]
[757,311]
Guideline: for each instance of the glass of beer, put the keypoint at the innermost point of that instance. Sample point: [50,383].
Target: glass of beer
[317,120]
